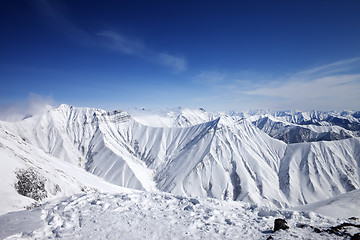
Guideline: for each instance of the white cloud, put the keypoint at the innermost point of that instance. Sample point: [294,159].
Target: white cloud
[321,87]
[137,48]
[123,44]
[327,87]
[35,104]
[177,63]
[209,77]
[332,68]
[334,86]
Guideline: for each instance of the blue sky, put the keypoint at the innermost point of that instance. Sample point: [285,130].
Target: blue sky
[219,55]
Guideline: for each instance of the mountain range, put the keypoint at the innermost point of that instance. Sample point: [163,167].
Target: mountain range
[279,159]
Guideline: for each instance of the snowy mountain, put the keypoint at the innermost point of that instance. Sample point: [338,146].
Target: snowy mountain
[62,178]
[82,158]
[195,154]
[295,127]
[287,126]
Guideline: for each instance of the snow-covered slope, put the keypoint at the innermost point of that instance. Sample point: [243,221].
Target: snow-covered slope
[296,126]
[62,178]
[195,154]
[178,117]
[295,133]
[287,126]
[347,119]
[345,205]
[143,215]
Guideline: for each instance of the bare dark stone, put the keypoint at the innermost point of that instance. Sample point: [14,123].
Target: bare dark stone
[228,221]
[189,208]
[302,225]
[30,183]
[194,201]
[355,237]
[280,224]
[340,230]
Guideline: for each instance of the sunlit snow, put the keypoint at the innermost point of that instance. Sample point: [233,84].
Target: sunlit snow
[225,178]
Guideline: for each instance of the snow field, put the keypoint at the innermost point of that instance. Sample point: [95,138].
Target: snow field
[143,215]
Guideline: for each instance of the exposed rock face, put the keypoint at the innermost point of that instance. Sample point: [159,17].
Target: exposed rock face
[280,224]
[289,132]
[355,237]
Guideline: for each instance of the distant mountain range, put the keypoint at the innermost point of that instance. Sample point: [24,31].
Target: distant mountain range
[295,127]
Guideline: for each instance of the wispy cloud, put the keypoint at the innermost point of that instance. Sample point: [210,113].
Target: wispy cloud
[60,22]
[331,86]
[177,63]
[34,104]
[135,47]
[110,39]
[210,77]
[330,69]
[231,80]
[334,85]
[315,88]
[122,43]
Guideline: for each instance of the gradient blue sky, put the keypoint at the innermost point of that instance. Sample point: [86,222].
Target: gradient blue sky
[219,55]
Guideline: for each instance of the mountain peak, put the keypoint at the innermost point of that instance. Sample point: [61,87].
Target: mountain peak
[64,106]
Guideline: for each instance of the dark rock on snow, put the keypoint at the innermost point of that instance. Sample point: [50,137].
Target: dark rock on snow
[280,224]
[355,237]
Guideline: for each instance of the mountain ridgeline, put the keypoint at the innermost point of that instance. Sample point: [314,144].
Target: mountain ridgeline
[281,160]
[310,127]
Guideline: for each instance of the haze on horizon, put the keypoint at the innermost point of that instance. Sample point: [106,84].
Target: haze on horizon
[233,55]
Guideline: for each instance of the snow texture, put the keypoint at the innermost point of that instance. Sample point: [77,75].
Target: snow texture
[141,215]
